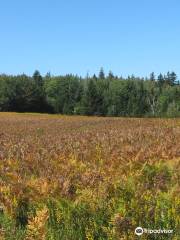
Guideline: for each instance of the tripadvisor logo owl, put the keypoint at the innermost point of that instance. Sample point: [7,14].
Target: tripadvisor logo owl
[139,231]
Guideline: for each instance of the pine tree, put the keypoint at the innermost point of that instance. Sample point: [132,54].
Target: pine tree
[110,75]
[40,104]
[101,74]
[38,78]
[160,80]
[173,78]
[152,77]
[91,98]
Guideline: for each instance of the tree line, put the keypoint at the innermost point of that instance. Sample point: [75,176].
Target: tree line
[97,95]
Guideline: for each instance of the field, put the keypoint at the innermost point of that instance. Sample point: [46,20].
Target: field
[77,178]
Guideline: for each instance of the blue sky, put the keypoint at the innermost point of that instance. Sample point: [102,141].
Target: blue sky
[68,36]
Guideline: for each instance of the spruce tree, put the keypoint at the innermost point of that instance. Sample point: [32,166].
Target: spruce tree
[160,80]
[152,77]
[101,74]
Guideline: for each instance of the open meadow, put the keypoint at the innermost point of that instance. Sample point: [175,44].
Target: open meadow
[94,178]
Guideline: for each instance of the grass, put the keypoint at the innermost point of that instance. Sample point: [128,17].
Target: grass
[87,177]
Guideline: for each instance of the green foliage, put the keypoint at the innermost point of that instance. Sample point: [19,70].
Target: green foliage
[64,93]
[169,101]
[21,214]
[74,221]
[145,198]
[102,96]
[8,229]
[148,200]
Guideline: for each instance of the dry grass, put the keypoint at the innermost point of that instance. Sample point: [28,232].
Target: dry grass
[48,156]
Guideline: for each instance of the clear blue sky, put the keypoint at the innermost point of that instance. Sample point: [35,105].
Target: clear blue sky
[79,36]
